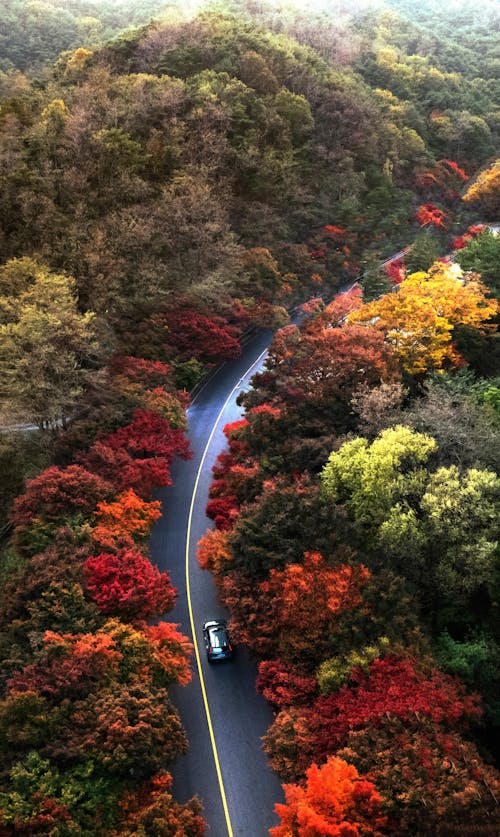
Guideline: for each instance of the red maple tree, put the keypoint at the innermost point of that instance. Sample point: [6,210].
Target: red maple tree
[129,585]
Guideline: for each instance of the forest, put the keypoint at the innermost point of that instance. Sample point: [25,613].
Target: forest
[170,180]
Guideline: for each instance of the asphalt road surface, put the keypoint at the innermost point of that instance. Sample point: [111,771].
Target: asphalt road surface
[222,713]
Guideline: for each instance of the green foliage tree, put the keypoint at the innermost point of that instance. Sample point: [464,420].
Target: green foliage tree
[422,254]
[482,255]
[438,527]
[374,280]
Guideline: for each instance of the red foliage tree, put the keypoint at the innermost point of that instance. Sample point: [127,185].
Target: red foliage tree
[148,373]
[461,241]
[150,435]
[270,616]
[213,551]
[392,686]
[171,650]
[223,511]
[236,476]
[396,271]
[123,471]
[313,594]
[325,368]
[59,492]
[334,801]
[128,585]
[284,686]
[151,809]
[190,333]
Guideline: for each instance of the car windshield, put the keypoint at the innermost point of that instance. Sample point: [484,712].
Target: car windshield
[218,637]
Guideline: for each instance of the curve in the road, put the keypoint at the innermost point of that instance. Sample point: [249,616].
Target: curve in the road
[226,767]
[235,389]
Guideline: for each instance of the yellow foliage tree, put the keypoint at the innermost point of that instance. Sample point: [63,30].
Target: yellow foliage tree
[418,320]
[485,191]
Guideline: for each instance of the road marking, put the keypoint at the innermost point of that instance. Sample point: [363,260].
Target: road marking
[188,591]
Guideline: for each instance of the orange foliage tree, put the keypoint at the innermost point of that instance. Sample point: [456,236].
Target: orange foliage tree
[127,518]
[335,801]
[429,215]
[313,593]
[214,551]
[419,319]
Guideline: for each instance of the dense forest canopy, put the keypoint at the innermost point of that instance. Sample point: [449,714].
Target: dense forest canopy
[171,176]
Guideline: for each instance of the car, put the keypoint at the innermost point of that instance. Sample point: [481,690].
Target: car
[217,640]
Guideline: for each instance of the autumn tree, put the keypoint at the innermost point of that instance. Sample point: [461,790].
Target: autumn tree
[434,782]
[393,686]
[151,809]
[188,332]
[311,592]
[335,800]
[47,346]
[429,215]
[57,492]
[120,727]
[126,370]
[419,319]
[318,371]
[283,685]
[159,654]
[56,497]
[129,585]
[270,618]
[124,471]
[124,520]
[484,191]
[68,666]
[149,434]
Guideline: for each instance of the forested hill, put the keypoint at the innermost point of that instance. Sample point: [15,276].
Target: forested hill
[34,32]
[150,165]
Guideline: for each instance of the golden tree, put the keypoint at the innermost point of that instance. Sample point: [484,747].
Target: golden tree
[418,320]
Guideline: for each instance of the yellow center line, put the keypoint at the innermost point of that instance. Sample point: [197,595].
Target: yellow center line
[188,590]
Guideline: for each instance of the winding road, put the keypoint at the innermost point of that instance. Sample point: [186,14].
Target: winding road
[223,715]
